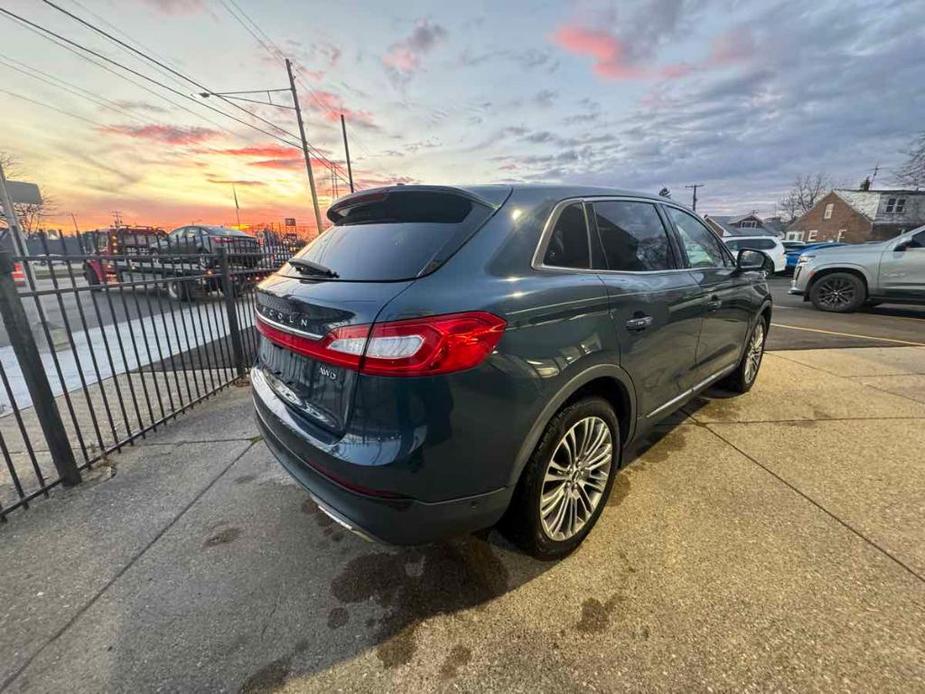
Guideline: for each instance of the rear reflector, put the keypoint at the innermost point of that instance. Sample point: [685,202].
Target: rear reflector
[414,347]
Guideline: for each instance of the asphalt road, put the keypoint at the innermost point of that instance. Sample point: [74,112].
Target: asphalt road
[82,309]
[797,325]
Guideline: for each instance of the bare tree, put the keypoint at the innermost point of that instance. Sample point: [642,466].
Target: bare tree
[30,215]
[912,171]
[807,190]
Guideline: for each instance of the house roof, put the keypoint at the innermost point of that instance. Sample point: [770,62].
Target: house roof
[728,225]
[867,202]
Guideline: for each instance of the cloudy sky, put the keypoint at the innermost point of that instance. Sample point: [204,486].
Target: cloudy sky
[739,96]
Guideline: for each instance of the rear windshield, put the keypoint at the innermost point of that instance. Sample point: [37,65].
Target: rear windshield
[756,244]
[395,236]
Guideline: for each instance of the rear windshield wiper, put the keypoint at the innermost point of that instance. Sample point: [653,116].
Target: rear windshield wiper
[309,268]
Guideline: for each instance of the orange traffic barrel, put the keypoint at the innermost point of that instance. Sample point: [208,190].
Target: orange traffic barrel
[19,277]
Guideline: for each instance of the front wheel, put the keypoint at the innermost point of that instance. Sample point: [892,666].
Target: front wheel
[743,378]
[566,482]
[840,292]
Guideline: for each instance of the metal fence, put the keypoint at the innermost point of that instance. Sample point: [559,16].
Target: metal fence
[100,348]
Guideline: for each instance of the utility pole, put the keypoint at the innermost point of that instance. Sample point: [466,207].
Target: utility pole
[343,127]
[308,161]
[74,219]
[694,187]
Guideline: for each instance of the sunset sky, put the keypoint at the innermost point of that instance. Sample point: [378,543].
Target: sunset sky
[741,97]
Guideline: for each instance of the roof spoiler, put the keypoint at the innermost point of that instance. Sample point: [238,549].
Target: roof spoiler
[338,210]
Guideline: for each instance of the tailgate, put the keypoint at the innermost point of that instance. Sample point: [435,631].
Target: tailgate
[319,391]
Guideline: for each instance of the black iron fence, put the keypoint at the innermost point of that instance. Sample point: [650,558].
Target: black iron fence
[98,349]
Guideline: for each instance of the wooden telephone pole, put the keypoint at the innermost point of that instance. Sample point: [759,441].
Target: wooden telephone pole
[694,187]
[308,161]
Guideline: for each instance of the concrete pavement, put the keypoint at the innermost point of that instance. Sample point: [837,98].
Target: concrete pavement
[767,542]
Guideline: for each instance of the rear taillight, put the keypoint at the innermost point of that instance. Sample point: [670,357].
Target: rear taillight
[414,347]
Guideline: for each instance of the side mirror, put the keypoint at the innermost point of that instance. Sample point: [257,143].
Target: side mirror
[901,247]
[749,260]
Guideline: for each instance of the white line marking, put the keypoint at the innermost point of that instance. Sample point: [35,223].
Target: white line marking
[862,337]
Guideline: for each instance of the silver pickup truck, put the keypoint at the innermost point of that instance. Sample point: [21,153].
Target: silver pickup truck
[845,278]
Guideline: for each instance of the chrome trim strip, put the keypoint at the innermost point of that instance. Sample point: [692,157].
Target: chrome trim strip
[288,329]
[669,403]
[690,391]
[343,521]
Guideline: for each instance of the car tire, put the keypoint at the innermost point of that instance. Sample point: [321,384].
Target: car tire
[581,487]
[178,290]
[746,372]
[92,280]
[838,292]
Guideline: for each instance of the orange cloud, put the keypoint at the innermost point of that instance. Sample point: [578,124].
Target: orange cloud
[260,151]
[606,49]
[330,106]
[167,134]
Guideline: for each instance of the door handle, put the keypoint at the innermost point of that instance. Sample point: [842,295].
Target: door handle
[639,323]
[714,303]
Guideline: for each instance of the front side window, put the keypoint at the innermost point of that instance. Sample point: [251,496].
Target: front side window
[632,236]
[917,240]
[702,247]
[568,243]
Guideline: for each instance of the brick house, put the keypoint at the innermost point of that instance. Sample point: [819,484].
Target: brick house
[738,225]
[856,216]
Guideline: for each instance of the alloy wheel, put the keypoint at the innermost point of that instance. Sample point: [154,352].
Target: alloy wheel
[755,352]
[836,292]
[576,477]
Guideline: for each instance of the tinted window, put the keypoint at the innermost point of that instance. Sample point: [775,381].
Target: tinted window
[757,244]
[632,236]
[393,236]
[568,243]
[918,240]
[702,247]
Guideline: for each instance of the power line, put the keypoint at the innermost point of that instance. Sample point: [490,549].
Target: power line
[192,81]
[61,84]
[143,76]
[126,78]
[278,54]
[53,108]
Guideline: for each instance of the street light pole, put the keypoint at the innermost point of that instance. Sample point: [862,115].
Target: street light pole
[308,161]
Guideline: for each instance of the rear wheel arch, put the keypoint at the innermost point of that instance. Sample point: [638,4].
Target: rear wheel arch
[607,381]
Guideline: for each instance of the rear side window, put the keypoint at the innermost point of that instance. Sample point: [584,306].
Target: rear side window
[632,236]
[568,244]
[703,249]
[395,236]
[755,244]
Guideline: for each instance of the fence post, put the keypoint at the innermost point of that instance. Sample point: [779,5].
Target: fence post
[228,289]
[30,363]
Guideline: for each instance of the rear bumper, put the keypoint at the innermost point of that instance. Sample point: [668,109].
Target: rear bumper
[398,521]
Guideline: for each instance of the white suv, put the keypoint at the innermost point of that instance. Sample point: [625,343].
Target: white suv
[769,245]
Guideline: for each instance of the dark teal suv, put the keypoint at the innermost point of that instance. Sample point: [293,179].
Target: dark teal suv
[444,359]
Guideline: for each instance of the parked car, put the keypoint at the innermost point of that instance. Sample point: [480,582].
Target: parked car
[206,240]
[794,253]
[443,359]
[769,245]
[844,279]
